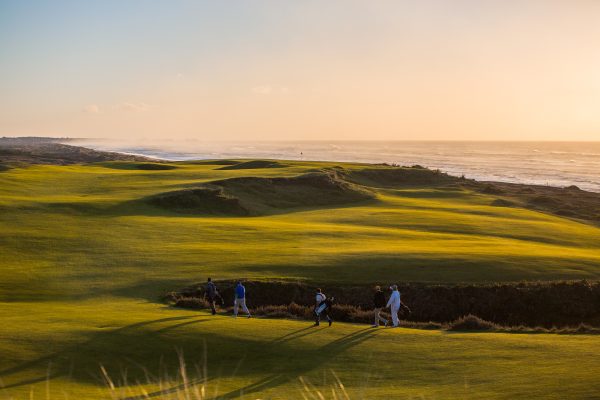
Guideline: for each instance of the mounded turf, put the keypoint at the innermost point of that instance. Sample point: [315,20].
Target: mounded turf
[69,231]
[263,195]
[84,259]
[264,359]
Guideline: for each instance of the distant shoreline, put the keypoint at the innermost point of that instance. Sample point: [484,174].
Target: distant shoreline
[529,163]
[568,201]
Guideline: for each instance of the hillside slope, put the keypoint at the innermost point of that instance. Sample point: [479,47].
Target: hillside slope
[85,259]
[82,231]
[263,195]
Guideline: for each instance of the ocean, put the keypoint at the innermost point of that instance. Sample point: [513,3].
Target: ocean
[543,163]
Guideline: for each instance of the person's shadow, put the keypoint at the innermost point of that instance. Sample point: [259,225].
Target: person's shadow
[60,364]
[57,363]
[319,356]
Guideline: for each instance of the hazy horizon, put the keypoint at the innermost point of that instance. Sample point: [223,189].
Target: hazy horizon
[155,141]
[277,71]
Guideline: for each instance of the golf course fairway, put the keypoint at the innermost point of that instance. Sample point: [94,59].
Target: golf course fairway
[261,358]
[87,251]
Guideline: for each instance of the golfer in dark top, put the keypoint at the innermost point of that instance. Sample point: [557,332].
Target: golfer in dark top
[211,294]
[379,303]
[322,305]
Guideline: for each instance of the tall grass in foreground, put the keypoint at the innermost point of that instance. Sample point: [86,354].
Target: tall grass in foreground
[198,386]
[191,386]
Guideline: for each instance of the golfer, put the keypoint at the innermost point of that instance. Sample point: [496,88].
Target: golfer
[379,303]
[240,300]
[210,294]
[394,304]
[322,305]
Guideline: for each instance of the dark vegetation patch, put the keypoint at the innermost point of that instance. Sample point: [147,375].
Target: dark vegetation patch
[255,164]
[260,196]
[145,166]
[570,202]
[491,189]
[559,307]
[24,151]
[399,177]
[308,190]
[472,323]
[204,200]
[503,203]
[339,312]
[214,162]
[544,201]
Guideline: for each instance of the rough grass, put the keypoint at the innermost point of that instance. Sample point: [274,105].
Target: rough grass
[350,313]
[472,323]
[255,164]
[262,195]
[145,166]
[271,195]
[204,200]
[570,202]
[533,304]
[399,177]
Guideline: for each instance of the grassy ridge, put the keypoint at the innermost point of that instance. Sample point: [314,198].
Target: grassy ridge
[80,230]
[81,255]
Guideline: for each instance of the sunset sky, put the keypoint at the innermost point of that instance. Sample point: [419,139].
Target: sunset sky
[279,70]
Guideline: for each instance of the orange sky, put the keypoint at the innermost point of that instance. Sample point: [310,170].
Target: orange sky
[275,70]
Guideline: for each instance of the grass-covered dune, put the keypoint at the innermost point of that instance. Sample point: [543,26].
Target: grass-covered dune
[85,230]
[24,151]
[263,195]
[86,253]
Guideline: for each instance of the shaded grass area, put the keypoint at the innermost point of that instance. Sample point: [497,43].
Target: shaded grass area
[246,196]
[77,231]
[260,358]
[536,305]
[350,313]
[145,166]
[569,202]
[81,255]
[255,164]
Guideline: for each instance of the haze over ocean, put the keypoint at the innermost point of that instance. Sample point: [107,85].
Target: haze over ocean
[543,163]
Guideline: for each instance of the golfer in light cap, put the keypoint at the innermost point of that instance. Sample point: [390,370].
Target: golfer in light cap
[394,304]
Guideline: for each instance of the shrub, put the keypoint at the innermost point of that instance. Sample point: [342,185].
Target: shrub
[421,325]
[191,302]
[472,323]
[291,310]
[502,203]
[530,304]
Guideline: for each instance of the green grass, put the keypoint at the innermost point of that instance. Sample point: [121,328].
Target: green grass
[264,358]
[81,231]
[83,261]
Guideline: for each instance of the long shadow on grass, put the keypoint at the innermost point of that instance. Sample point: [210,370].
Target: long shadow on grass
[141,345]
[62,361]
[141,207]
[318,357]
[294,335]
[268,381]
